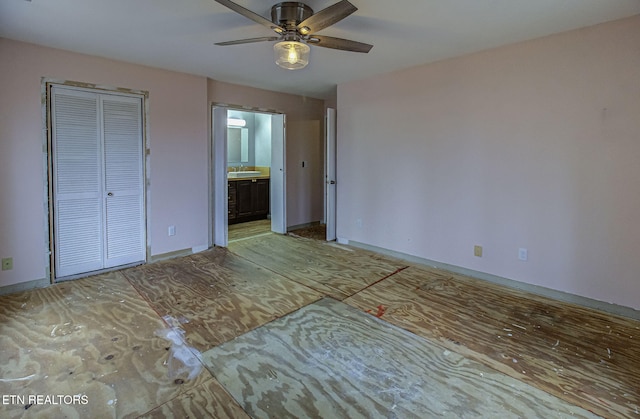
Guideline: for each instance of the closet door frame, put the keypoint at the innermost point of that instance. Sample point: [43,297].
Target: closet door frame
[46,89]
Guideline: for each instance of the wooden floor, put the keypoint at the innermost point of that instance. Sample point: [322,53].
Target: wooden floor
[102,337]
[249,229]
[318,232]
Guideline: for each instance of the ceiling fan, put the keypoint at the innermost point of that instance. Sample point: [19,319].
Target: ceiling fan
[296,26]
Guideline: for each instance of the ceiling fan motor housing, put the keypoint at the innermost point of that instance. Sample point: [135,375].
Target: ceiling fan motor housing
[296,24]
[289,14]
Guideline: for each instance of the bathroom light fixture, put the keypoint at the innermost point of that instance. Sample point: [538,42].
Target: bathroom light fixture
[292,55]
[235,122]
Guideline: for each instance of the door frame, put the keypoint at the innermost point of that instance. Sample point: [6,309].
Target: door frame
[45,92]
[330,187]
[218,190]
[278,182]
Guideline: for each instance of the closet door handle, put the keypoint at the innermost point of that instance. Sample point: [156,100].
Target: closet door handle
[110,194]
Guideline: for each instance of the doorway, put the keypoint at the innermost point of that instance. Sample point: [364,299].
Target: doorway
[96,171]
[248,170]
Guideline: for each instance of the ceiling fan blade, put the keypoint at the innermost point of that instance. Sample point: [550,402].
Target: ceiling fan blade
[251,15]
[326,17]
[249,40]
[338,43]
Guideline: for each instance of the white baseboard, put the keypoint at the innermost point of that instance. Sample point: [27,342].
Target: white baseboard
[169,255]
[198,249]
[24,286]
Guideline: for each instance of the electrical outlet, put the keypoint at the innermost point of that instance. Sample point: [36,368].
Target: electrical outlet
[7,264]
[523,254]
[171,230]
[359,223]
[477,251]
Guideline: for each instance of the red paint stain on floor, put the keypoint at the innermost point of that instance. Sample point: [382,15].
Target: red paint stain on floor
[381,311]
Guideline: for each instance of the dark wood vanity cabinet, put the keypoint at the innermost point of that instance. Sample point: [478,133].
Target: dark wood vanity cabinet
[263,192]
[231,204]
[248,200]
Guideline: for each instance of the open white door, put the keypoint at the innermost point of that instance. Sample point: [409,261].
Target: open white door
[220,192]
[330,187]
[278,175]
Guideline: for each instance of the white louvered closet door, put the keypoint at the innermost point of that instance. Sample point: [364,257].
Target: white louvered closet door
[97,181]
[124,205]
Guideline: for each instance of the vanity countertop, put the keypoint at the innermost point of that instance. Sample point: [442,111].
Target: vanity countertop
[249,172]
[234,179]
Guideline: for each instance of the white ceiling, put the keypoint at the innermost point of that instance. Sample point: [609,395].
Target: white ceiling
[180,34]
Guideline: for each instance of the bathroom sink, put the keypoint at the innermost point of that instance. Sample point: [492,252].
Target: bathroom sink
[246,173]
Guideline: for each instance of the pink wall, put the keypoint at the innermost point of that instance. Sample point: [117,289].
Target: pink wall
[177,136]
[533,145]
[304,141]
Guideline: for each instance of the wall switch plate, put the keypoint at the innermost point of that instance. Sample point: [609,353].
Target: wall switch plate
[523,254]
[477,251]
[359,222]
[7,264]
[172,230]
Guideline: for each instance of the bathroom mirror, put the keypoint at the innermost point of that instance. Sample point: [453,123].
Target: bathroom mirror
[237,145]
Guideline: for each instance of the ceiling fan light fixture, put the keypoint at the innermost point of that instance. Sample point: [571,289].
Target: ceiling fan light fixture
[292,55]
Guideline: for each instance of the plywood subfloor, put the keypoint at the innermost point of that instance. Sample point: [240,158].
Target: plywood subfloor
[331,269]
[217,295]
[588,358]
[93,337]
[243,231]
[332,361]
[96,336]
[208,400]
[584,356]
